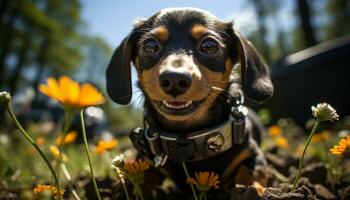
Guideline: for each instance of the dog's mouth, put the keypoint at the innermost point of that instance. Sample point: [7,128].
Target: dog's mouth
[178,107]
[177,104]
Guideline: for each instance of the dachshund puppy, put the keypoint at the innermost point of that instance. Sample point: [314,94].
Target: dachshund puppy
[190,64]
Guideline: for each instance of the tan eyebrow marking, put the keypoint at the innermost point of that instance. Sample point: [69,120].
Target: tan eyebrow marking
[198,30]
[161,32]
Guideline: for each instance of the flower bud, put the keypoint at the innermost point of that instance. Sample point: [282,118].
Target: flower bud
[118,161]
[5,98]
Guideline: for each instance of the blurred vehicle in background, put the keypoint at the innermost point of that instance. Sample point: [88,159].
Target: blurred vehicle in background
[316,74]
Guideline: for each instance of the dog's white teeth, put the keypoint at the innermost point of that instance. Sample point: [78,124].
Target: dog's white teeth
[177,106]
[188,103]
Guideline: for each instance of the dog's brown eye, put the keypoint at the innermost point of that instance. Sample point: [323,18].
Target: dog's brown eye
[151,46]
[209,46]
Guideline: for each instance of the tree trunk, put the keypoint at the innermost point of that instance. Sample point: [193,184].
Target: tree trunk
[339,13]
[8,34]
[42,56]
[259,8]
[308,31]
[4,6]
[41,65]
[22,57]
[280,37]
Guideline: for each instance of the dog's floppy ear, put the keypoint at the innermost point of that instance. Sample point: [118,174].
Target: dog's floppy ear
[118,73]
[255,73]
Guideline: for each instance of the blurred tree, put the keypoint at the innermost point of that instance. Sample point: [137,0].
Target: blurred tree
[3,8]
[22,58]
[339,18]
[280,48]
[59,46]
[9,14]
[262,12]
[96,53]
[304,11]
[39,33]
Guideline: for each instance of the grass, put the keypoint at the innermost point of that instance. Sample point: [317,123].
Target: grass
[21,167]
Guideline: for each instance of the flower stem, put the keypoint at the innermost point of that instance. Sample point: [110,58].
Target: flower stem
[301,161]
[187,175]
[123,183]
[68,119]
[138,190]
[69,179]
[32,142]
[201,195]
[329,167]
[88,153]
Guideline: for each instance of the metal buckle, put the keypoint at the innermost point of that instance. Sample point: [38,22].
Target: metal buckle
[137,138]
[238,114]
[152,138]
[155,145]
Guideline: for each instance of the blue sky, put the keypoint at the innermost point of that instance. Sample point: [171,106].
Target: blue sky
[113,19]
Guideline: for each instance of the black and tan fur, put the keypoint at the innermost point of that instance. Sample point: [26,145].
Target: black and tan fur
[179,34]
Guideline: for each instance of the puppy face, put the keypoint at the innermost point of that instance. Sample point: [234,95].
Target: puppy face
[184,58]
[183,63]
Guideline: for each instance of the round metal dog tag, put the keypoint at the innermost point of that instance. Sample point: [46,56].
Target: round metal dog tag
[215,143]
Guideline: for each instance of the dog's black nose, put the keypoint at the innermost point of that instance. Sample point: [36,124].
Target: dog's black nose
[175,83]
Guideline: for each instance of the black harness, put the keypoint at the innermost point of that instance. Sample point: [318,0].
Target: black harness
[160,145]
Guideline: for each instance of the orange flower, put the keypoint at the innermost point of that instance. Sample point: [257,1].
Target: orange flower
[320,137]
[40,140]
[281,142]
[342,147]
[204,181]
[70,94]
[41,188]
[70,138]
[106,145]
[274,131]
[136,167]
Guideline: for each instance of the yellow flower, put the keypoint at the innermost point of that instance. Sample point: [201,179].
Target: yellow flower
[281,142]
[106,145]
[136,167]
[56,153]
[70,94]
[274,131]
[41,188]
[40,140]
[341,147]
[204,181]
[70,138]
[320,137]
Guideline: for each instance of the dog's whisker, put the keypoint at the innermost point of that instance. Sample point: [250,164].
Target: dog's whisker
[137,98]
[139,103]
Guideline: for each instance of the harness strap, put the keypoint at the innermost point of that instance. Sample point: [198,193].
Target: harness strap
[242,156]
